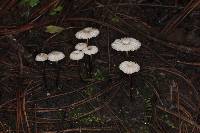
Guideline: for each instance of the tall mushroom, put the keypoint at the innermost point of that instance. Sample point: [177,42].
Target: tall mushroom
[42,57]
[77,55]
[56,56]
[90,50]
[129,67]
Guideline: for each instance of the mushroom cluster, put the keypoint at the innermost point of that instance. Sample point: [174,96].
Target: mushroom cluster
[127,44]
[83,48]
[54,56]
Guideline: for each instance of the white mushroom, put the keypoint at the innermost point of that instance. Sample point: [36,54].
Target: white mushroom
[48,94]
[129,67]
[126,44]
[90,50]
[87,33]
[76,55]
[56,56]
[81,46]
[41,57]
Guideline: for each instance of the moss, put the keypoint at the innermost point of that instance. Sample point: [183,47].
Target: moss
[87,120]
[99,75]
[30,3]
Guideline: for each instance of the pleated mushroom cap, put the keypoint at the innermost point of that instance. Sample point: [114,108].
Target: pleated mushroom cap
[129,67]
[41,57]
[126,44]
[76,55]
[87,33]
[56,56]
[81,46]
[90,50]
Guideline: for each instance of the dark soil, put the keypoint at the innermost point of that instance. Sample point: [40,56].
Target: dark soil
[166,89]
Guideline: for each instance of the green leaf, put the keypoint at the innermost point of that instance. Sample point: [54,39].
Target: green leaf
[33,3]
[56,10]
[53,29]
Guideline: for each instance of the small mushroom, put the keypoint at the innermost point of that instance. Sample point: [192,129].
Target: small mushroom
[126,44]
[56,56]
[81,46]
[90,50]
[42,57]
[77,55]
[87,33]
[129,67]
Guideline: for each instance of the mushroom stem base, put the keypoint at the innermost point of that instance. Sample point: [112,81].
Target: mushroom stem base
[58,75]
[44,76]
[131,87]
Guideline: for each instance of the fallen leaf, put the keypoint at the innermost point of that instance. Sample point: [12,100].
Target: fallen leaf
[54,29]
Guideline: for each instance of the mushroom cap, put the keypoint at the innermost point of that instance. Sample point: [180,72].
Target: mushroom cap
[76,55]
[56,56]
[90,50]
[129,67]
[126,44]
[41,57]
[87,33]
[81,46]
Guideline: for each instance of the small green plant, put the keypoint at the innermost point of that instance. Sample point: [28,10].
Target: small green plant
[87,120]
[147,93]
[148,111]
[56,10]
[147,104]
[91,119]
[115,19]
[30,3]
[89,91]
[75,113]
[98,75]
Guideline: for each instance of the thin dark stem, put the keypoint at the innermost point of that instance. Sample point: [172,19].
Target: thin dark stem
[87,41]
[58,74]
[44,75]
[131,87]
[127,54]
[90,65]
[79,70]
[128,57]
[108,45]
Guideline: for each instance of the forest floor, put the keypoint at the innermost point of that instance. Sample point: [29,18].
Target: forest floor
[62,97]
